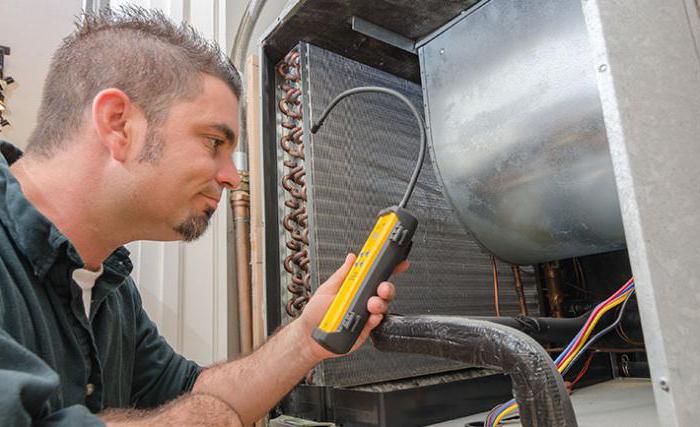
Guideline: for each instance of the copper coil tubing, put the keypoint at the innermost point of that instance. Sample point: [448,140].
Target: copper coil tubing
[295,220]
[302,236]
[289,67]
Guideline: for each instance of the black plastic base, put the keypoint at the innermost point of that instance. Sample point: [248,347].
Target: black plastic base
[336,343]
[417,406]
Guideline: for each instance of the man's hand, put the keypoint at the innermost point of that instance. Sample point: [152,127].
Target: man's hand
[254,384]
[322,298]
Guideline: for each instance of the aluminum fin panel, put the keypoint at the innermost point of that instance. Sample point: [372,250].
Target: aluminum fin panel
[358,164]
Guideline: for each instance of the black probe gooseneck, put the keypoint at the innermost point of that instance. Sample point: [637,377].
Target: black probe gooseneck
[409,104]
[387,245]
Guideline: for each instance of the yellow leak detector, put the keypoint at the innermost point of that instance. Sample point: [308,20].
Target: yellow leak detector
[388,244]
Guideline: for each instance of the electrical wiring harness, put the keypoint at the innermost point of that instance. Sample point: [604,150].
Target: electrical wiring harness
[576,347]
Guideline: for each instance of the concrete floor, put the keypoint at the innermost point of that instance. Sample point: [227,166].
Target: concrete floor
[624,402]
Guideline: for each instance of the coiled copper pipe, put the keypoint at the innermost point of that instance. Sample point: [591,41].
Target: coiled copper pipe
[293,182]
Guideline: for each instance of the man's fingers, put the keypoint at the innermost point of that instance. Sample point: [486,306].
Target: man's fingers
[403,266]
[376,305]
[386,291]
[372,322]
[333,283]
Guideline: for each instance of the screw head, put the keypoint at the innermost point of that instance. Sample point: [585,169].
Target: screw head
[442,50]
[663,383]
[602,68]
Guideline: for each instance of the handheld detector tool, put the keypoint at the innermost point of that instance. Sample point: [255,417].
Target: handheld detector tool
[388,244]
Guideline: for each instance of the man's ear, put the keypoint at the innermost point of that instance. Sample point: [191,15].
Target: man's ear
[111,112]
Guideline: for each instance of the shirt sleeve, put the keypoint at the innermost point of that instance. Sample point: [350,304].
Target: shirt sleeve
[27,385]
[160,374]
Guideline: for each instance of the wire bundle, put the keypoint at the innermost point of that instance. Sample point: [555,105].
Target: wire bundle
[576,347]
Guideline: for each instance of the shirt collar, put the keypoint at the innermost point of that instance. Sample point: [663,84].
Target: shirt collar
[36,237]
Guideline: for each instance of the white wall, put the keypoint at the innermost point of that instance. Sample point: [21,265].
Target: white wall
[33,29]
[268,14]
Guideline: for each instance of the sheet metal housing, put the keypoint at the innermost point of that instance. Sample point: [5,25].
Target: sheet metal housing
[517,133]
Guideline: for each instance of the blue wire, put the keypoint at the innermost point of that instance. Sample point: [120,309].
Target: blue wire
[571,343]
[491,418]
[489,422]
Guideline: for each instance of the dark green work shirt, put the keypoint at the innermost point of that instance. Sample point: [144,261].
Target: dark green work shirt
[58,367]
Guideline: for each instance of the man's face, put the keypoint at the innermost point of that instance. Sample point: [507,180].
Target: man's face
[181,183]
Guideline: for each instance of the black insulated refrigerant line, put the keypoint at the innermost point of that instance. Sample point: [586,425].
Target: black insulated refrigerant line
[538,387]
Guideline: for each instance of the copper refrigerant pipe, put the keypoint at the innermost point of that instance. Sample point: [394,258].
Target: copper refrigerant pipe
[296,263]
[519,290]
[240,204]
[554,294]
[496,299]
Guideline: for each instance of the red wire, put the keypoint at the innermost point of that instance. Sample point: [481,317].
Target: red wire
[583,370]
[598,308]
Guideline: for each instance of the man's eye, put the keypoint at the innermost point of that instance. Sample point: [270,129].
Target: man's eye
[216,142]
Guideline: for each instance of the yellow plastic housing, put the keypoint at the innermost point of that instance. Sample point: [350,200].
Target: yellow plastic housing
[353,281]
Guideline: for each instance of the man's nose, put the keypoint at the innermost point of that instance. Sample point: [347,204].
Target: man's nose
[228,175]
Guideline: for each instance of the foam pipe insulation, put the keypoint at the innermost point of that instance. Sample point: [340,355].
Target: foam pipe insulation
[538,387]
[560,330]
[553,330]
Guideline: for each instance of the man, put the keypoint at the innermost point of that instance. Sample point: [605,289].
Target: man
[136,130]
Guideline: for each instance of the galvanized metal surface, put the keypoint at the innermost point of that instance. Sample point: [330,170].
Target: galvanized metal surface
[648,60]
[358,164]
[627,402]
[517,131]
[380,33]
[327,24]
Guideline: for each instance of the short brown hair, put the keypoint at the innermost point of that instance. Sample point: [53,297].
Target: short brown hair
[136,50]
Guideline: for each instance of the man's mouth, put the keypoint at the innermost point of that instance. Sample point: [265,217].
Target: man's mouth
[211,204]
[215,199]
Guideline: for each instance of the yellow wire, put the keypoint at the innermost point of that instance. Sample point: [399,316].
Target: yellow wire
[507,411]
[614,303]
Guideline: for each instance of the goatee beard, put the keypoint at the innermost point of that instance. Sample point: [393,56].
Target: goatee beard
[195,225]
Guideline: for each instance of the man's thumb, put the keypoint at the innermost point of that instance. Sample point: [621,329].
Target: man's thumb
[333,283]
